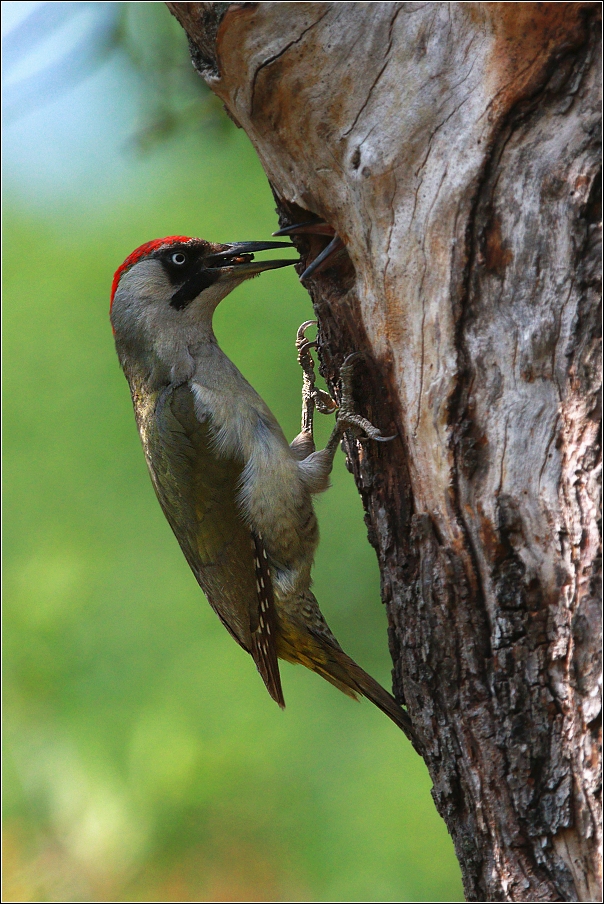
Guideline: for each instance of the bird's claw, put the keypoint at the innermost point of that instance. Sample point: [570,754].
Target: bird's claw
[300,335]
[348,365]
[347,418]
[324,402]
[312,397]
[305,346]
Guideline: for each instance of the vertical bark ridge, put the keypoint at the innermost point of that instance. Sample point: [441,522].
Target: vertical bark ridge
[549,782]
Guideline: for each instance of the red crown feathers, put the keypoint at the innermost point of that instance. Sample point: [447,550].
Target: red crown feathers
[140,252]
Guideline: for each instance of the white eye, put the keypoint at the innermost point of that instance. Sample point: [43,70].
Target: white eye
[179,258]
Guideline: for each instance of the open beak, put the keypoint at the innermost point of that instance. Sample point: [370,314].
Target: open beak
[237,259]
[327,256]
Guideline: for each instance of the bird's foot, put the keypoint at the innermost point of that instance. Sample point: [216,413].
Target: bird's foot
[304,345]
[348,418]
[321,400]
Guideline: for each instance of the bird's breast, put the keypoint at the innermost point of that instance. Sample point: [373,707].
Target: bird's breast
[273,496]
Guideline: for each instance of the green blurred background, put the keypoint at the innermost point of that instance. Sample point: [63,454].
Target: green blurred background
[144,759]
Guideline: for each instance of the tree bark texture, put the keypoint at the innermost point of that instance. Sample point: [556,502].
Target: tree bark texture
[454,147]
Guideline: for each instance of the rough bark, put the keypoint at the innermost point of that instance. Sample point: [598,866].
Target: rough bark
[454,148]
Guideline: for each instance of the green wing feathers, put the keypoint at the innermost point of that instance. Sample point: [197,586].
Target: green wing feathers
[264,633]
[197,490]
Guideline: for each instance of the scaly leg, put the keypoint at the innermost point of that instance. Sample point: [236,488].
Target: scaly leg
[347,418]
[318,465]
[312,397]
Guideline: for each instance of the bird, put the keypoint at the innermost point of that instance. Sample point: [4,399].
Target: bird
[237,495]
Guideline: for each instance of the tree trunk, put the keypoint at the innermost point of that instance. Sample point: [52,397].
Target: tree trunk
[454,148]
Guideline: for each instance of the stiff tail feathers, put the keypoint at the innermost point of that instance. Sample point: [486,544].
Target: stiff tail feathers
[370,688]
[343,672]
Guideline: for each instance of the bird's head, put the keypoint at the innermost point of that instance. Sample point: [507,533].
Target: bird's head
[166,291]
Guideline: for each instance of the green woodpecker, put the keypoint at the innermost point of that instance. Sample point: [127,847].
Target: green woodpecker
[237,496]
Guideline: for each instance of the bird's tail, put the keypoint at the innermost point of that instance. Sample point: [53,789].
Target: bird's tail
[352,679]
[314,646]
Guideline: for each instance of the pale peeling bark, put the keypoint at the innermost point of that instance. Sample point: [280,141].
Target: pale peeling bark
[454,148]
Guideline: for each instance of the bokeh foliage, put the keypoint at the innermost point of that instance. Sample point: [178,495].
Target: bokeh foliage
[144,759]
[150,44]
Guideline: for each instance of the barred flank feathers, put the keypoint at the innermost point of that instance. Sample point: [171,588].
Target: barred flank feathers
[264,637]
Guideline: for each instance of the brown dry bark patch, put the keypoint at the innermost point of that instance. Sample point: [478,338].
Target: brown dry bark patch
[526,38]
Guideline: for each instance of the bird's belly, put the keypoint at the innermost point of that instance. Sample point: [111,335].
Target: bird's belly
[274,499]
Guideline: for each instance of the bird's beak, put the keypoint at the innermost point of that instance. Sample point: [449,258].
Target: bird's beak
[236,260]
[326,257]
